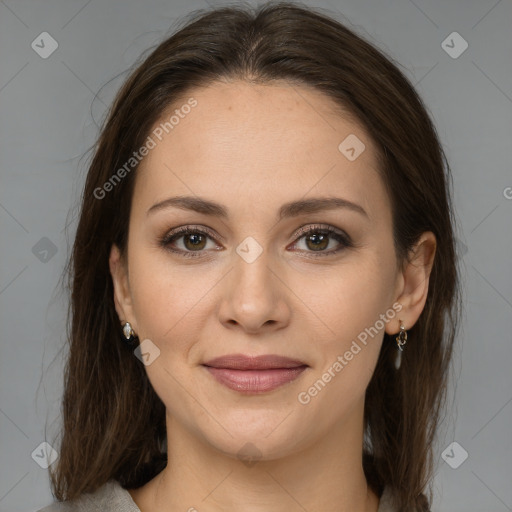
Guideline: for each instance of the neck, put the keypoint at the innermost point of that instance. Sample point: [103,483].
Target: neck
[326,475]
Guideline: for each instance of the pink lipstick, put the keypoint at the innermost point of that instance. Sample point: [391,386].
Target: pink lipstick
[258,374]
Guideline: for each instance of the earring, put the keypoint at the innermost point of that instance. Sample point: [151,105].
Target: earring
[129,336]
[401,340]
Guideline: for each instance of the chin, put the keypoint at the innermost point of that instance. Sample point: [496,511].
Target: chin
[264,441]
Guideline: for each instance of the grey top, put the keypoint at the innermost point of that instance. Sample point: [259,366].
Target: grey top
[111,497]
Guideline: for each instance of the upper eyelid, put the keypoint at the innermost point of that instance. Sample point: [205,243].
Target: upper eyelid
[306,228]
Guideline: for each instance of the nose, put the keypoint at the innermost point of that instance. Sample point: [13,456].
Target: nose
[255,297]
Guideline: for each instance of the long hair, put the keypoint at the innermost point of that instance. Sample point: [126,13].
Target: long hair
[113,421]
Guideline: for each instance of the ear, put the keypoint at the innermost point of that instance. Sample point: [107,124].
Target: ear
[122,295]
[413,282]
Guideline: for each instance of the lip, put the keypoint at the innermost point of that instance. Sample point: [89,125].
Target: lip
[253,375]
[243,362]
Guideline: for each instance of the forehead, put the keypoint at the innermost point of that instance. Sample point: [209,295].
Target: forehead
[259,143]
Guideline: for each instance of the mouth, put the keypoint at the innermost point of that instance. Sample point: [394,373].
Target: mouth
[252,375]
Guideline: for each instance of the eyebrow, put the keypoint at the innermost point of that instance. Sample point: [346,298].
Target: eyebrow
[287,210]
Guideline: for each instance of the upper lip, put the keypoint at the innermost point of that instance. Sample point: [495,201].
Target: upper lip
[243,362]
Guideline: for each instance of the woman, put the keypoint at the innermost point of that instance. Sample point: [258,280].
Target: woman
[264,283]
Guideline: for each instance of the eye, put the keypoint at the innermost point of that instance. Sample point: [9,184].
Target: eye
[194,240]
[318,237]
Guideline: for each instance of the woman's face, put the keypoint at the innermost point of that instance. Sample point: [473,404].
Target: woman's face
[250,283]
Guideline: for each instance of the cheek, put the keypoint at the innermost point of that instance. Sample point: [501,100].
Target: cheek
[348,342]
[348,299]
[350,329]
[167,298]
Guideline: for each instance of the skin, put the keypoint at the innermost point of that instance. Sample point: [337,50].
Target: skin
[253,148]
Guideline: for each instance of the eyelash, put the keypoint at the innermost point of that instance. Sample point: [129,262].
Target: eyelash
[178,233]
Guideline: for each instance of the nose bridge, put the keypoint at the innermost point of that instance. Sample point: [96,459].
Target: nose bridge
[252,273]
[256,296]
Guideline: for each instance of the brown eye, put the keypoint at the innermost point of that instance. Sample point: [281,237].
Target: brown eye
[318,241]
[193,244]
[194,241]
[318,238]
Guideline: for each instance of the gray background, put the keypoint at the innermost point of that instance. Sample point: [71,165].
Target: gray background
[48,121]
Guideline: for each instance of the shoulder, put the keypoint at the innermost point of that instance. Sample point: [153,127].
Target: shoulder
[110,497]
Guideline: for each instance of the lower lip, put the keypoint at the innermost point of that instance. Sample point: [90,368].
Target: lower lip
[255,381]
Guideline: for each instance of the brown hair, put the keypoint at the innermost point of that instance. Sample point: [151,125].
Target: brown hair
[113,421]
